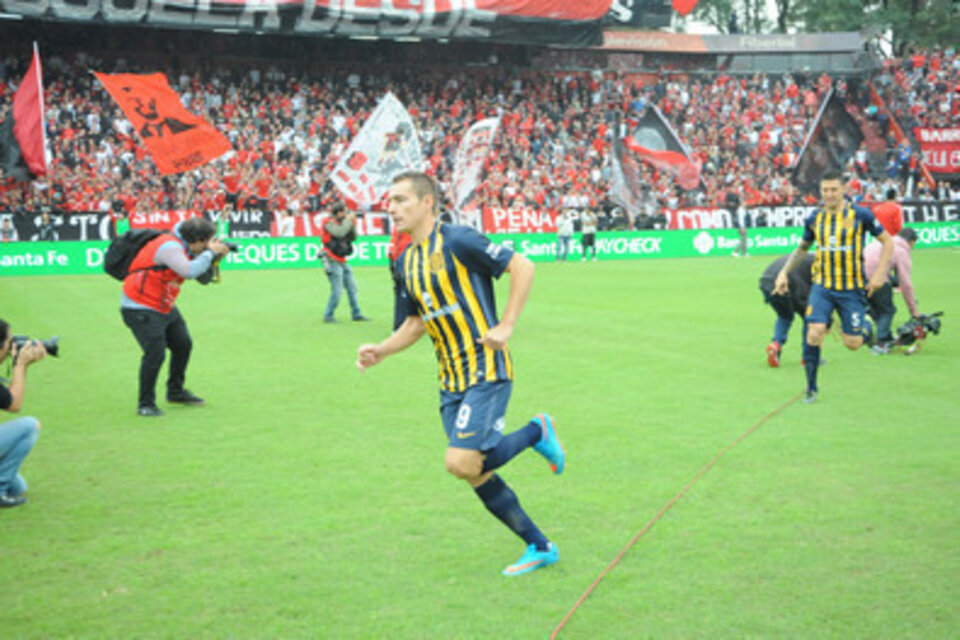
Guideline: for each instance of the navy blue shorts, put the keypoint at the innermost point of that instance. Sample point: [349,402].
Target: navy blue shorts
[851,305]
[474,419]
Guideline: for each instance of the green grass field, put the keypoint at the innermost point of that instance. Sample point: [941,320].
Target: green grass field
[309,501]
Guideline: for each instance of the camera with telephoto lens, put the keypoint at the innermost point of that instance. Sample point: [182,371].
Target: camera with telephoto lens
[52,345]
[918,328]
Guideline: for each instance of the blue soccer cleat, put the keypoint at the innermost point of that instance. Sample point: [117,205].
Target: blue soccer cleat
[549,446]
[532,560]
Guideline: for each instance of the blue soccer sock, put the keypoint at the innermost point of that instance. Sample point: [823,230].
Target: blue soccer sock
[501,501]
[512,444]
[811,362]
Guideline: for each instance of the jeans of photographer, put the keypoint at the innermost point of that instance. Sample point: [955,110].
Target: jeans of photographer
[340,275]
[17,438]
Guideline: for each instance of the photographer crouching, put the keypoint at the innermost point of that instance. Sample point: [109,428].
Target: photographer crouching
[150,292]
[17,437]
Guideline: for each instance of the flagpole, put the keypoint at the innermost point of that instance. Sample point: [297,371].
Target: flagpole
[43,113]
[666,123]
[816,124]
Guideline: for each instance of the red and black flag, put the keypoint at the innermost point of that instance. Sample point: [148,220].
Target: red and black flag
[831,143]
[626,186]
[655,142]
[178,140]
[22,131]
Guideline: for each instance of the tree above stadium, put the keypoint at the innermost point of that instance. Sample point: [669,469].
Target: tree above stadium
[920,22]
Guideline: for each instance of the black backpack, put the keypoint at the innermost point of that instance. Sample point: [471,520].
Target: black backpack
[342,247]
[124,248]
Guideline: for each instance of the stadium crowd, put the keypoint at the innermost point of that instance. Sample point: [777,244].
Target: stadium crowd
[289,127]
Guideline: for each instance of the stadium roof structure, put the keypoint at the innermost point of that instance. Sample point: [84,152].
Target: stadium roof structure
[655,41]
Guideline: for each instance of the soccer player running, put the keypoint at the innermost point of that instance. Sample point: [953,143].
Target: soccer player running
[837,228]
[447,291]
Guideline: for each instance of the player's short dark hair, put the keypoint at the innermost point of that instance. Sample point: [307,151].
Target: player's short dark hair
[197,230]
[832,174]
[892,193]
[909,234]
[423,185]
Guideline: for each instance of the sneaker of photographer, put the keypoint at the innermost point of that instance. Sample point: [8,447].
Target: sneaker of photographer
[7,500]
[185,397]
[149,411]
[880,349]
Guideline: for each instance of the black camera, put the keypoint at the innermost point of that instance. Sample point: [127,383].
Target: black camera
[52,345]
[919,328]
[233,246]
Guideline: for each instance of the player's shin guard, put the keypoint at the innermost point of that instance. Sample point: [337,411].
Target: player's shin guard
[501,501]
[811,362]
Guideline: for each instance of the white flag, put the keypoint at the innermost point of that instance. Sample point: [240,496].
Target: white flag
[386,145]
[473,150]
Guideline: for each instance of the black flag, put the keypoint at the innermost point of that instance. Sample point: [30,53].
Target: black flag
[831,143]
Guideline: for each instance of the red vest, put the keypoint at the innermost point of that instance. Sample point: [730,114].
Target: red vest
[326,236]
[154,288]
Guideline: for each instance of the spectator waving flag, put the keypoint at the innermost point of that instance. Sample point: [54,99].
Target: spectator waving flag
[472,152]
[386,145]
[22,140]
[178,140]
[655,142]
[831,143]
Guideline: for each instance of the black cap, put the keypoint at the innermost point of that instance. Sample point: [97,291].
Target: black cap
[908,234]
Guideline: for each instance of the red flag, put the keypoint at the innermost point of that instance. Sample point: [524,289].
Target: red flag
[22,135]
[683,7]
[655,142]
[178,140]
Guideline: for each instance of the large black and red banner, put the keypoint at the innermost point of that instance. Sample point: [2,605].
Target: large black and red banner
[558,22]
[177,140]
[21,133]
[257,224]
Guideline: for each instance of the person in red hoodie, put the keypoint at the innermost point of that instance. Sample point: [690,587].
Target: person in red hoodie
[148,302]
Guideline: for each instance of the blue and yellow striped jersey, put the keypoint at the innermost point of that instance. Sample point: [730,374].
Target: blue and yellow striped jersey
[448,283]
[840,238]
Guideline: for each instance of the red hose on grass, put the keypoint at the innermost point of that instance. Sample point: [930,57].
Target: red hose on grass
[666,508]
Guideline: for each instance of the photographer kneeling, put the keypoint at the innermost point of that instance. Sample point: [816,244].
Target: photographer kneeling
[150,291]
[17,437]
